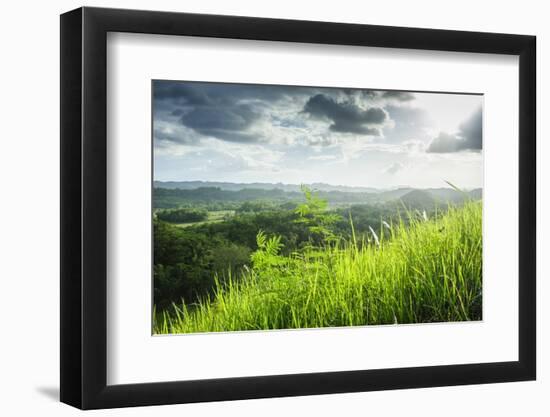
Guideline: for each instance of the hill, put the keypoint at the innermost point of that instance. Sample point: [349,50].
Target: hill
[385,282]
[230,186]
[176,194]
[419,199]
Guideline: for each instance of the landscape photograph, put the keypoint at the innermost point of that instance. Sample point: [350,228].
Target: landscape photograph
[282,207]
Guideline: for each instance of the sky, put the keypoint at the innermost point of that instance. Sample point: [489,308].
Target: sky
[300,135]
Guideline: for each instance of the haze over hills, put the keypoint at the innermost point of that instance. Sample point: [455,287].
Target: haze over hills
[168,193]
[319,186]
[231,186]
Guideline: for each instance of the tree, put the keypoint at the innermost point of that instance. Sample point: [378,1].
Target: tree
[314,214]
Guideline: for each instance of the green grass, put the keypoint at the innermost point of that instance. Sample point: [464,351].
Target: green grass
[428,271]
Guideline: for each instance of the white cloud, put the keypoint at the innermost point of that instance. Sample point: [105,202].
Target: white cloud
[394,168]
[267,136]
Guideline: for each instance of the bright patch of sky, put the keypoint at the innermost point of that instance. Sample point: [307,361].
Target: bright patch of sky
[372,138]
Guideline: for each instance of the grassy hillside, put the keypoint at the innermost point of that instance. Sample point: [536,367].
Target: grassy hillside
[428,271]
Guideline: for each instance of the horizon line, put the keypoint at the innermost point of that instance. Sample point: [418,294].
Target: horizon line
[445,185]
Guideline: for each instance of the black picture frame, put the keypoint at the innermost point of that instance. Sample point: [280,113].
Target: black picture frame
[84,207]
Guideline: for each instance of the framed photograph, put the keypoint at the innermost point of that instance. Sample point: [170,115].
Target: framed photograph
[257,208]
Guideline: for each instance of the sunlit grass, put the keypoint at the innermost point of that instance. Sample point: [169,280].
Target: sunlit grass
[429,270]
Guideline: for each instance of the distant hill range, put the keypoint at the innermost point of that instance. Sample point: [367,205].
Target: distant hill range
[335,194]
[231,186]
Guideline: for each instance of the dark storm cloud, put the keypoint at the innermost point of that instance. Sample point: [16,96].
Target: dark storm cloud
[179,93]
[224,111]
[177,112]
[397,95]
[229,121]
[377,95]
[189,111]
[468,138]
[368,95]
[199,93]
[208,109]
[346,117]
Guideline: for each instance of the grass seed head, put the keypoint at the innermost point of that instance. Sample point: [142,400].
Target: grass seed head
[375,236]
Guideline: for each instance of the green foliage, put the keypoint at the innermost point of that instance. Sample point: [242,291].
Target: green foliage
[217,244]
[186,263]
[224,199]
[257,206]
[267,254]
[243,228]
[423,270]
[314,214]
[182,215]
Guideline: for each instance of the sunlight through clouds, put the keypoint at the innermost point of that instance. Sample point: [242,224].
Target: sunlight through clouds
[248,133]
